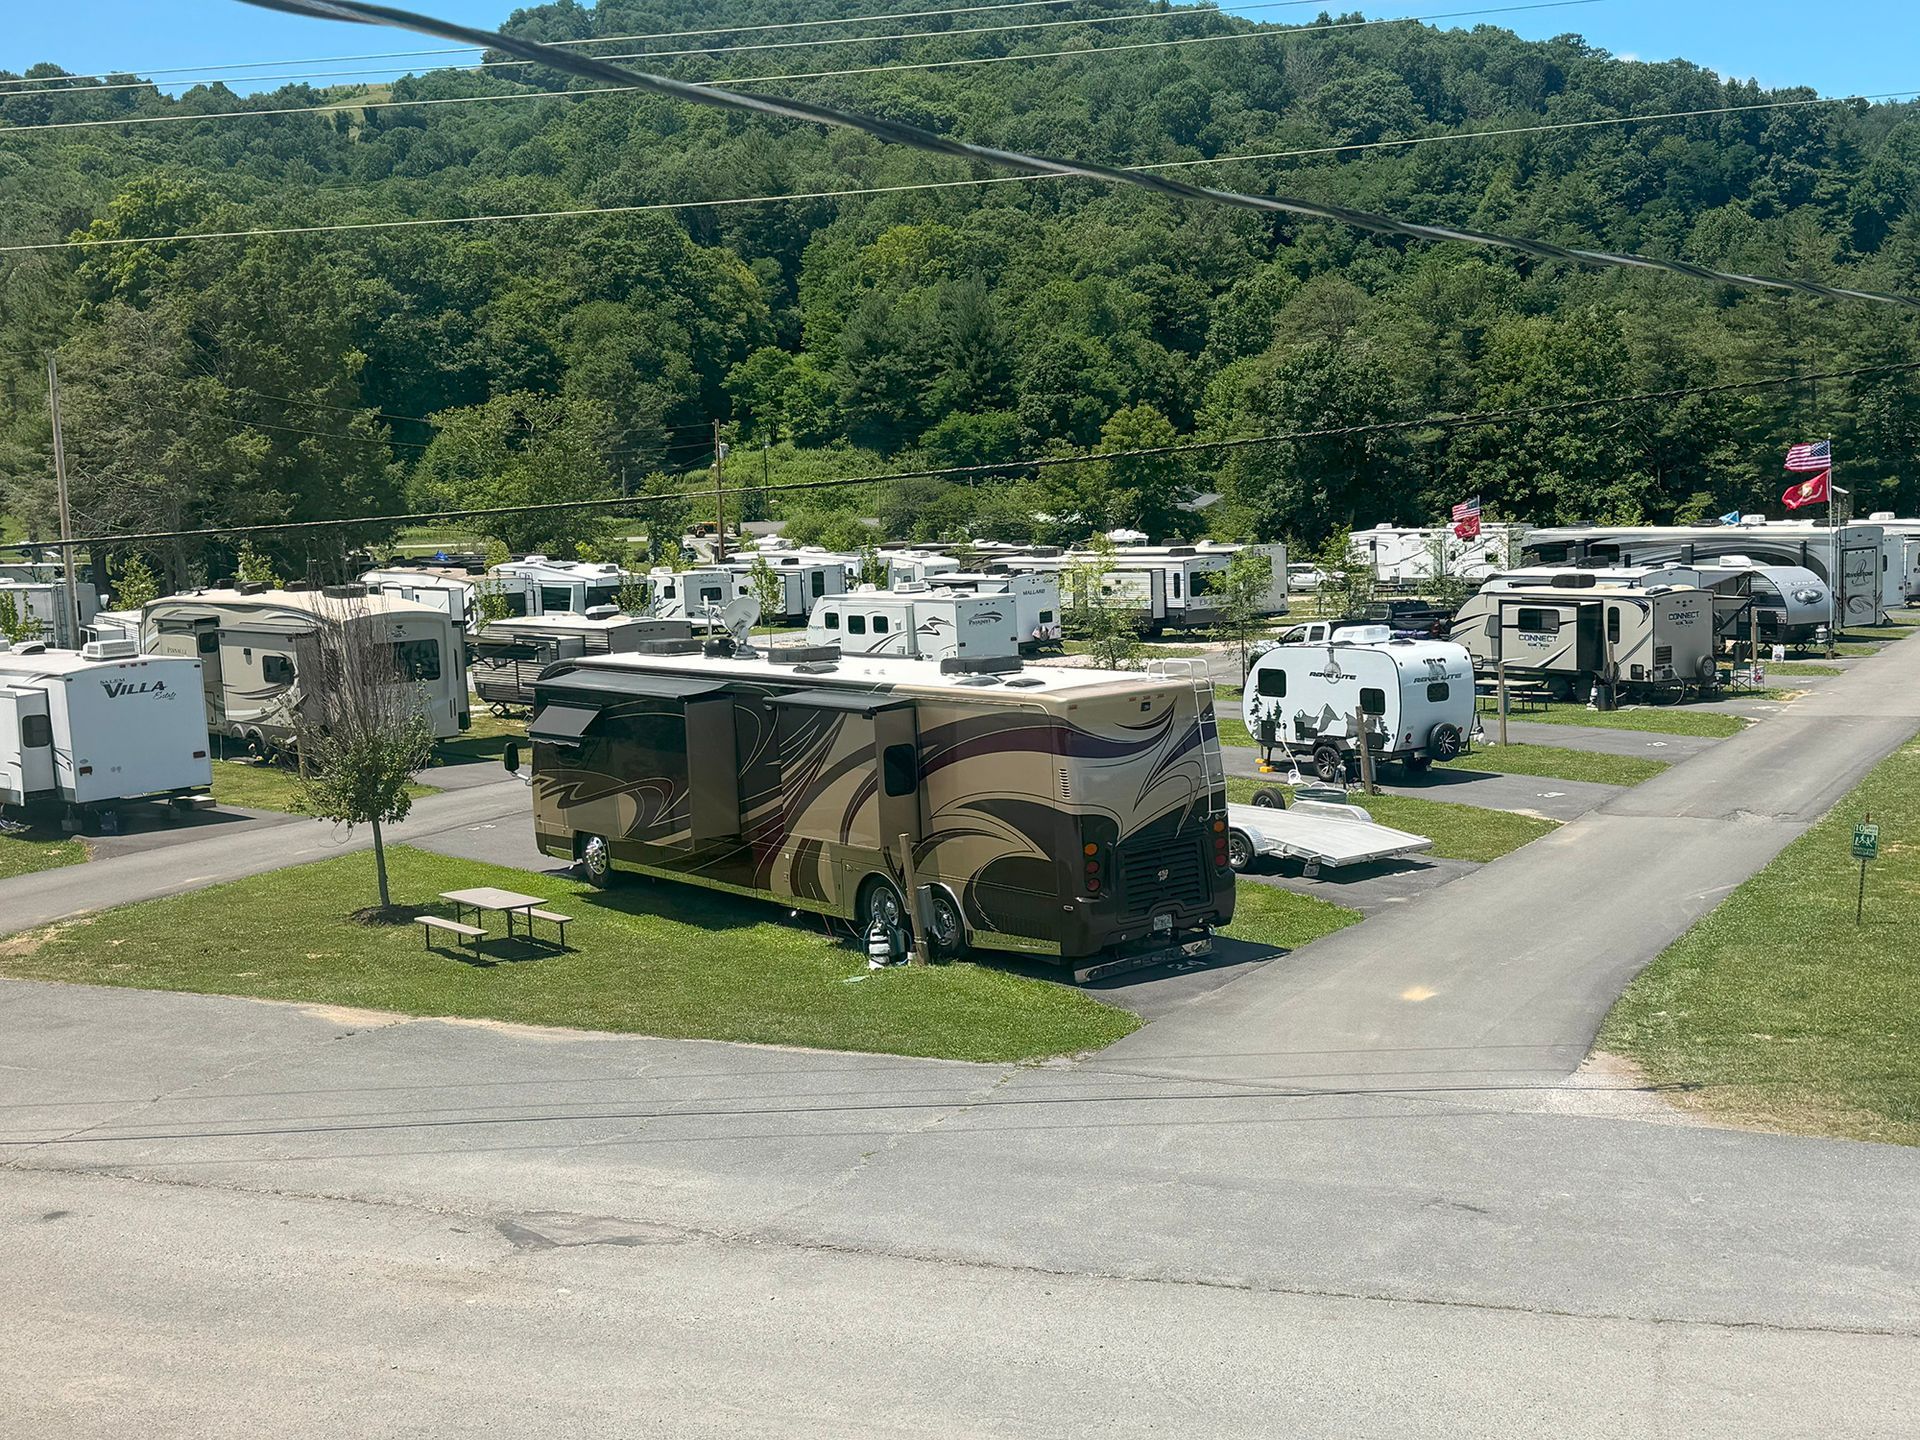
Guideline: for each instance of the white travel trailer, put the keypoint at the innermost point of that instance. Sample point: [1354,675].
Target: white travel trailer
[93,728]
[1907,533]
[1414,698]
[1190,577]
[1407,558]
[565,585]
[1035,600]
[509,654]
[1780,604]
[1850,558]
[42,606]
[907,567]
[918,623]
[255,645]
[110,625]
[693,594]
[453,594]
[1571,632]
[804,580]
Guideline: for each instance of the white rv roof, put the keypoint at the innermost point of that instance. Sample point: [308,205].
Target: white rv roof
[562,620]
[922,677]
[68,662]
[311,602]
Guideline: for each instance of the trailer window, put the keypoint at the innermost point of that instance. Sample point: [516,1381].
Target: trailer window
[818,583]
[1202,583]
[1538,622]
[209,641]
[276,669]
[833,620]
[1613,624]
[856,624]
[556,597]
[1176,584]
[709,595]
[879,624]
[36,732]
[1271,683]
[1373,702]
[417,659]
[1046,617]
[1438,690]
[602,595]
[901,767]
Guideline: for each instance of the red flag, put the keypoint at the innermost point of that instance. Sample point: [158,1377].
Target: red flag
[1807,492]
[1467,529]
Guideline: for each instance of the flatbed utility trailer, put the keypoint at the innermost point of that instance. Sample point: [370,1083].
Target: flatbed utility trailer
[1322,829]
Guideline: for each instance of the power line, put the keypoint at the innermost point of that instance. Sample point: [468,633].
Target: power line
[861,192]
[1182,12]
[559,44]
[913,136]
[562,61]
[951,472]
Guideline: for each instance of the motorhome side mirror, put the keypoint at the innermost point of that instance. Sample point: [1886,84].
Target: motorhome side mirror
[511,759]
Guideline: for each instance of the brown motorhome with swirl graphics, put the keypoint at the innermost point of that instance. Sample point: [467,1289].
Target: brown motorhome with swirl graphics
[1076,815]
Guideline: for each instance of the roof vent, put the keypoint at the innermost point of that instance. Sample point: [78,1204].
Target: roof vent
[297,587]
[980,665]
[670,647]
[1182,550]
[816,667]
[1579,580]
[250,587]
[801,654]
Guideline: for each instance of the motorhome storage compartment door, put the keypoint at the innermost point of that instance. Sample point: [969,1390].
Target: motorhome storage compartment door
[713,769]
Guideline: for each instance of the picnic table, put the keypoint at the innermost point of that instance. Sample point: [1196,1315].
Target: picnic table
[488,899]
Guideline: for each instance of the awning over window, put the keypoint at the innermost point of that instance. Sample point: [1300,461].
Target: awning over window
[562,724]
[855,701]
[593,685]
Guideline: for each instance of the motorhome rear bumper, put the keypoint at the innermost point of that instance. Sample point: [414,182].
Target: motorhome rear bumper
[1144,955]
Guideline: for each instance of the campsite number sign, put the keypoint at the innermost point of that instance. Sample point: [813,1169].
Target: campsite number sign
[1866,846]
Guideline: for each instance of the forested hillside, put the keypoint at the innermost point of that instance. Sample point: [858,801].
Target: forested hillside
[433,365]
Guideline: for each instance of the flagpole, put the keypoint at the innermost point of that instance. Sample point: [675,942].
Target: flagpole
[1833,550]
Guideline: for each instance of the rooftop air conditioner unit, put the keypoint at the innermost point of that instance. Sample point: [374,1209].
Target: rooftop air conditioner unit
[110,650]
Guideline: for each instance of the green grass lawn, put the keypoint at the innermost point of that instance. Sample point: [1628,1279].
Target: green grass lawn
[1458,832]
[1268,915]
[38,849]
[244,785]
[1149,650]
[485,740]
[1661,719]
[657,959]
[1556,763]
[1233,731]
[1781,1011]
[1801,667]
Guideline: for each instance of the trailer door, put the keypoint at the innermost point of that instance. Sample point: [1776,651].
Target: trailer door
[197,635]
[26,745]
[1589,639]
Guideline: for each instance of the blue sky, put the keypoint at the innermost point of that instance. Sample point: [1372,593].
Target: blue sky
[1860,47]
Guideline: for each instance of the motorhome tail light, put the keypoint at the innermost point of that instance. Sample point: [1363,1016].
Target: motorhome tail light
[85,770]
[199,754]
[1220,844]
[1095,876]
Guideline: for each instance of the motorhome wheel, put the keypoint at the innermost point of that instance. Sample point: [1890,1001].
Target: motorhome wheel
[946,932]
[1239,851]
[1329,762]
[1445,742]
[1268,798]
[596,861]
[880,900]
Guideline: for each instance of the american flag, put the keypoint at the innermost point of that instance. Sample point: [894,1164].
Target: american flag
[1467,509]
[1817,456]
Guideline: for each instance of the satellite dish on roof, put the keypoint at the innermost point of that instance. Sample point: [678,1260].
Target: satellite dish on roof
[738,617]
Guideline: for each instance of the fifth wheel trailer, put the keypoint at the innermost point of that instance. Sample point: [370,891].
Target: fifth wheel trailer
[89,729]
[256,645]
[1850,558]
[509,655]
[1074,815]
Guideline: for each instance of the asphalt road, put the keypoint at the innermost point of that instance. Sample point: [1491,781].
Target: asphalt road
[1314,1201]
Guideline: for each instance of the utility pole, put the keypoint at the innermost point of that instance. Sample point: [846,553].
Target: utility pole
[719,500]
[1836,559]
[60,491]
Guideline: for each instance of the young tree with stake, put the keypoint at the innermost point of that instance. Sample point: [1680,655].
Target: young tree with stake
[1111,631]
[362,732]
[768,589]
[1248,577]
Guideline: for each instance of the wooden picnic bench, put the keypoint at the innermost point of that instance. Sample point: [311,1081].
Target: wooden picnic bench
[1519,697]
[468,935]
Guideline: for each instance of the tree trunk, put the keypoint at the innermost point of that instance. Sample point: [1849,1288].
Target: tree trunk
[380,866]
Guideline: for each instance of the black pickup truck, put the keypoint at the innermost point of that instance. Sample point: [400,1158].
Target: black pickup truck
[1421,618]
